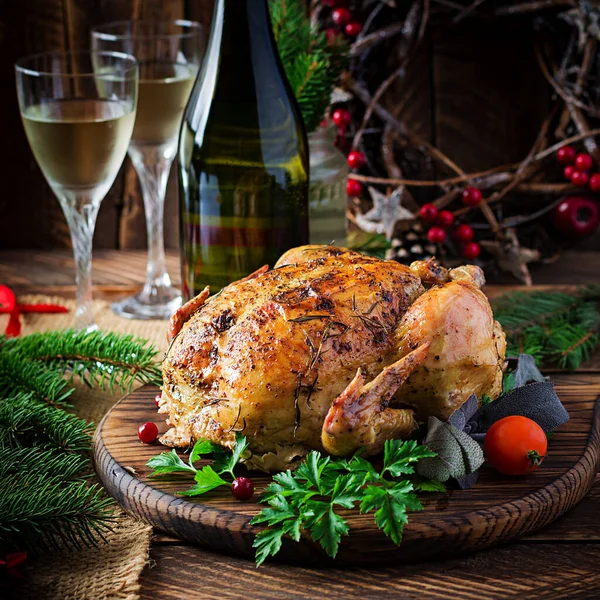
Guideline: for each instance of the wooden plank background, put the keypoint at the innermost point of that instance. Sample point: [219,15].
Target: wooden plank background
[473,89]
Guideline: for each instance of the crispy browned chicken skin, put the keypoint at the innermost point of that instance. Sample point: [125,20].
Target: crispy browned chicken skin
[330,350]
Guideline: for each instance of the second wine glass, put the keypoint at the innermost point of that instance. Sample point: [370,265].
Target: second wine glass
[169,54]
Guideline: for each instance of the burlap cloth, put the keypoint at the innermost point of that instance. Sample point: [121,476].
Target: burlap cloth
[112,570]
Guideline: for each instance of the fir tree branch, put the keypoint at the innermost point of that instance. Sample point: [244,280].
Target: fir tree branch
[26,422]
[42,462]
[17,374]
[556,328]
[52,514]
[46,502]
[311,62]
[108,360]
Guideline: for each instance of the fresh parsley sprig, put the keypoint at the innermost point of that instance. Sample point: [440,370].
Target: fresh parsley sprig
[209,476]
[308,498]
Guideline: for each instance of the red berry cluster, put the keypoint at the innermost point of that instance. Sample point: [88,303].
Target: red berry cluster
[443,220]
[342,19]
[577,168]
[356,160]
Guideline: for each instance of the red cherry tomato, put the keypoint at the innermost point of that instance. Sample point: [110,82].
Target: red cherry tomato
[148,432]
[515,445]
[428,212]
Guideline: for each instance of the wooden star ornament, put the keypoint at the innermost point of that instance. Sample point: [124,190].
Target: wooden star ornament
[386,212]
[511,257]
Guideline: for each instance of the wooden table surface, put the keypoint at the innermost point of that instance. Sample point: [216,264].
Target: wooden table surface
[560,561]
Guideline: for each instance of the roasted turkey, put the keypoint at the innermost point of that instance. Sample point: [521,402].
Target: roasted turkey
[330,350]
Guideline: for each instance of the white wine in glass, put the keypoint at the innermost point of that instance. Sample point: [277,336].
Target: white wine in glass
[169,54]
[79,144]
[78,111]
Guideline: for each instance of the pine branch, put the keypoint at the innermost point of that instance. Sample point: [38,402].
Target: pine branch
[45,514]
[46,502]
[312,64]
[556,328]
[41,462]
[17,374]
[26,422]
[107,360]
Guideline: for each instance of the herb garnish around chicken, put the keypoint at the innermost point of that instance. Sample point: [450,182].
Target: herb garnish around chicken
[308,498]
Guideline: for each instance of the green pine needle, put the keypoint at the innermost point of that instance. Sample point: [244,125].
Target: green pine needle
[26,422]
[41,513]
[17,374]
[557,329]
[311,63]
[41,461]
[46,501]
[104,359]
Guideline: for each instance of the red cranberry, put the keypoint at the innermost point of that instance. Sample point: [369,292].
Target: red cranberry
[580,179]
[566,155]
[577,216]
[436,235]
[353,188]
[568,172]
[242,488]
[445,219]
[148,432]
[428,212]
[595,182]
[157,400]
[471,250]
[356,159]
[353,28]
[341,16]
[472,196]
[583,162]
[341,117]
[464,233]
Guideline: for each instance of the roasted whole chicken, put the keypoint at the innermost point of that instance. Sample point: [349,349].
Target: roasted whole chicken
[330,350]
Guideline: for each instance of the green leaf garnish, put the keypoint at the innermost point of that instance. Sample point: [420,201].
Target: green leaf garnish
[206,480]
[308,498]
[168,462]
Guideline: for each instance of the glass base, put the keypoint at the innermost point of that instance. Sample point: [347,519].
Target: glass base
[149,306]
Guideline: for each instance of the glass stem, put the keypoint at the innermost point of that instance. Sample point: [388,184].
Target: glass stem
[81,211]
[153,165]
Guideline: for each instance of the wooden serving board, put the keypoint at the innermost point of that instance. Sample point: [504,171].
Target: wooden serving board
[498,509]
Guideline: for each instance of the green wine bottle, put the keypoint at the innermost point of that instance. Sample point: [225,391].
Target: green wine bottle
[243,155]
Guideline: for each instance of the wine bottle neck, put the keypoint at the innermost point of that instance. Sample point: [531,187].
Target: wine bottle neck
[247,28]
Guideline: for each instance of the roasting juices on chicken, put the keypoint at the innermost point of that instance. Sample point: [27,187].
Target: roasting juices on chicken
[330,350]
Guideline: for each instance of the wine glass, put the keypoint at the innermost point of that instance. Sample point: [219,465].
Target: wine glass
[169,54]
[78,111]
